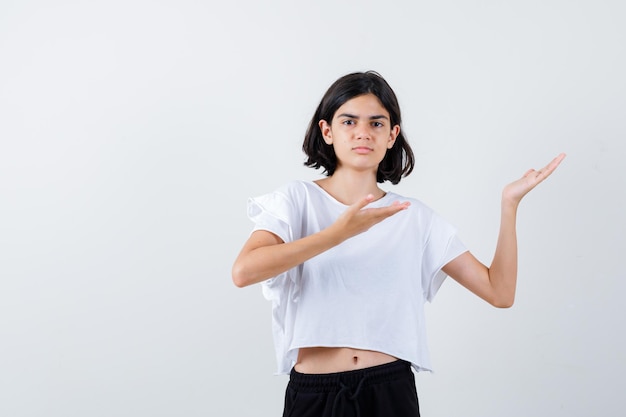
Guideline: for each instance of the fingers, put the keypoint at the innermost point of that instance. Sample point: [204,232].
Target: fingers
[515,191]
[376,213]
[388,211]
[554,163]
[361,203]
[545,172]
[357,218]
[396,205]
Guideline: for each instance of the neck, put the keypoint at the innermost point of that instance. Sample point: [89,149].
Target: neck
[350,187]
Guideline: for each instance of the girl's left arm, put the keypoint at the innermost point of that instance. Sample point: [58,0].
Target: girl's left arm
[496,283]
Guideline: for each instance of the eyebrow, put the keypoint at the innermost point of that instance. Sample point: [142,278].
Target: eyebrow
[352,116]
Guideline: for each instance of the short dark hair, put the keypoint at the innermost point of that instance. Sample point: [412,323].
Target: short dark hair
[398,161]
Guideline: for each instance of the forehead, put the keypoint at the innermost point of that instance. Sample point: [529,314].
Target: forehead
[365,105]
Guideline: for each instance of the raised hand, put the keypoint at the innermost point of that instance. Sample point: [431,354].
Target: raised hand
[357,219]
[515,191]
[265,255]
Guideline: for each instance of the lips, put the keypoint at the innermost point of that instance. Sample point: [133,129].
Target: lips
[362,150]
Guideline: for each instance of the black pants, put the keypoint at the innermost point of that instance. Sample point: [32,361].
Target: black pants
[380,391]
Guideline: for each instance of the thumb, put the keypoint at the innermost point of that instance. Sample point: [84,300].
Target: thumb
[362,203]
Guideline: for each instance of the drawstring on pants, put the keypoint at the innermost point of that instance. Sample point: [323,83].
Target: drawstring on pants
[352,393]
[345,394]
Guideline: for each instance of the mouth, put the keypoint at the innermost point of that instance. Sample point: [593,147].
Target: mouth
[362,149]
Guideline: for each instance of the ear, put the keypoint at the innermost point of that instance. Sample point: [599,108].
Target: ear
[395,131]
[326,132]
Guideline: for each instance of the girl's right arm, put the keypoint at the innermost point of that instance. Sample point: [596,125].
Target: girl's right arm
[265,255]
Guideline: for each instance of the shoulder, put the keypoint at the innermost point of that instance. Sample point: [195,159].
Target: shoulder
[292,193]
[294,190]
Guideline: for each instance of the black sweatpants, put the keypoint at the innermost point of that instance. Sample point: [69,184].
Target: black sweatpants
[380,391]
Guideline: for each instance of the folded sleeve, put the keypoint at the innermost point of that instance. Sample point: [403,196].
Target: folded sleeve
[272,212]
[275,212]
[442,246]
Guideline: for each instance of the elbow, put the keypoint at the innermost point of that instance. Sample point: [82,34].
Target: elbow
[238,282]
[505,302]
[239,276]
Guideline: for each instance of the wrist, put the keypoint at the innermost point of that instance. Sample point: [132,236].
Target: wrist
[509,202]
[332,235]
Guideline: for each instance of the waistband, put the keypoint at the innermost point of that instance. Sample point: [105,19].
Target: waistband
[334,381]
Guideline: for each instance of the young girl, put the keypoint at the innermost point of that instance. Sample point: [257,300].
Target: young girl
[349,266]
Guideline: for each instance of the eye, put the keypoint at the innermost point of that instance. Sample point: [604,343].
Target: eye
[377,124]
[348,122]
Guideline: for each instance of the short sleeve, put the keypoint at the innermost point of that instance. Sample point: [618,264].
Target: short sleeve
[442,246]
[272,212]
[275,213]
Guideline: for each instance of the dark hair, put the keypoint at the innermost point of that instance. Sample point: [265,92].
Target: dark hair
[398,161]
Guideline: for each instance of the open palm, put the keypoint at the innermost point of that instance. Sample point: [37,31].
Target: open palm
[516,190]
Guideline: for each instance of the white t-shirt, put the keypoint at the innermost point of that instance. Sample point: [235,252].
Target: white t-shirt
[367,292]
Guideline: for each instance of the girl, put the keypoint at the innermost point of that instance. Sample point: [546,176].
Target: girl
[348,266]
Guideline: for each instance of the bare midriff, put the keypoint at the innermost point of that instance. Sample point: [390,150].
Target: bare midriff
[324,360]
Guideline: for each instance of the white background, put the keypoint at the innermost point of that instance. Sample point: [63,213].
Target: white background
[132,132]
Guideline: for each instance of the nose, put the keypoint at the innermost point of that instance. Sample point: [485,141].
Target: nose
[363,132]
